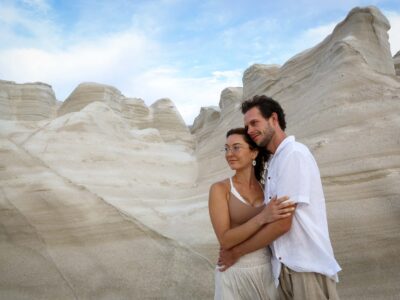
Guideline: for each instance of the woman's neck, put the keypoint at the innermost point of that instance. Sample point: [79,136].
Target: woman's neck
[245,177]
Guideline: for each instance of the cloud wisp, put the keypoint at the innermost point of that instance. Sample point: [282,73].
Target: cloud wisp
[186,51]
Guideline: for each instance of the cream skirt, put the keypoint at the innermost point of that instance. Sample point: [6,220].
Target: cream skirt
[250,278]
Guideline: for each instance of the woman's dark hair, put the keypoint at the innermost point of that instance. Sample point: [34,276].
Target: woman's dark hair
[267,106]
[262,156]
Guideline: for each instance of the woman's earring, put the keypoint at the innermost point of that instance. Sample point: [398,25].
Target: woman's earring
[254,162]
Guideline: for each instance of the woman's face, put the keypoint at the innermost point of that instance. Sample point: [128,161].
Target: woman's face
[238,153]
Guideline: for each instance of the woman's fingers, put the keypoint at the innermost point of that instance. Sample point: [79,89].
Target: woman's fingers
[285,212]
[280,208]
[289,204]
[286,203]
[282,216]
[280,200]
[286,215]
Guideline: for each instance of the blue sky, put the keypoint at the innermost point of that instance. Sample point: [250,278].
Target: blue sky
[188,51]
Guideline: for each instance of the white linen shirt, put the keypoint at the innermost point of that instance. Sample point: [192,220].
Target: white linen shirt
[293,172]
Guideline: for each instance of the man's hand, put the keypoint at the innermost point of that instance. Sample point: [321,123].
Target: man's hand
[226,259]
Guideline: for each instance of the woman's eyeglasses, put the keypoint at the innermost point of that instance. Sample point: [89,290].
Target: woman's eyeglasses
[234,149]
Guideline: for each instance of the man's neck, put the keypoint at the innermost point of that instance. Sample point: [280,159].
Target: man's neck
[276,141]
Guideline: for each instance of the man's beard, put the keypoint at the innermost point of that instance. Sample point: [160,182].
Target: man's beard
[267,135]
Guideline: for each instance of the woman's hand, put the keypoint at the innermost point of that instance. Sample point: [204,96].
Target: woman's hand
[276,209]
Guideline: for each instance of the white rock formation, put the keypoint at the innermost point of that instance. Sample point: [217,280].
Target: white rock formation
[210,137]
[396,60]
[136,113]
[342,99]
[206,116]
[258,77]
[87,205]
[162,115]
[89,92]
[26,102]
[91,197]
[109,200]
[61,239]
[170,124]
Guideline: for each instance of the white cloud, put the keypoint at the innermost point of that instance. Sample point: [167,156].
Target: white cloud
[394,32]
[39,5]
[317,34]
[132,61]
[107,60]
[138,60]
[313,36]
[188,93]
[128,61]
[250,36]
[21,26]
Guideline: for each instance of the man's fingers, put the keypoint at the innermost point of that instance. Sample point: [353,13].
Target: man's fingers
[223,268]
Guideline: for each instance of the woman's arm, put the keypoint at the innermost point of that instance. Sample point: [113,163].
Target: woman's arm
[260,239]
[220,219]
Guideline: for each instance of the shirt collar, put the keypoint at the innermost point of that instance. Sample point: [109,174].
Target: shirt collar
[288,140]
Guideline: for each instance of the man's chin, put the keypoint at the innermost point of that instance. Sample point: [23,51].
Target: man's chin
[261,144]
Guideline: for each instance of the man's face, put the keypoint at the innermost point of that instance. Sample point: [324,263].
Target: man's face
[260,129]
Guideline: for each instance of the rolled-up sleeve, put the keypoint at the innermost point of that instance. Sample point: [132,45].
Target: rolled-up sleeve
[294,178]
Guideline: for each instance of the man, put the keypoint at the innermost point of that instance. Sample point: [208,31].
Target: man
[303,263]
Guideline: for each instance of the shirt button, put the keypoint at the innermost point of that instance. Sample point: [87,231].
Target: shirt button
[269,198]
[269,177]
[280,258]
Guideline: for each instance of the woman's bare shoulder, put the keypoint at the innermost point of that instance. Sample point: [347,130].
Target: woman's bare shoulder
[220,186]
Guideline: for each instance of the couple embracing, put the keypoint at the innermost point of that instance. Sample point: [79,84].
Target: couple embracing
[270,216]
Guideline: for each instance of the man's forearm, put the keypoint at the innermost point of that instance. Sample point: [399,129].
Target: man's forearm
[262,238]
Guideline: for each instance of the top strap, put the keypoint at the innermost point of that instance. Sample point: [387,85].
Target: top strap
[236,193]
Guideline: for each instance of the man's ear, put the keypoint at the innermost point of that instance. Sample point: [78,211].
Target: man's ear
[274,117]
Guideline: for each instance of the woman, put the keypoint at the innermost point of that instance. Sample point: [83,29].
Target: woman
[237,211]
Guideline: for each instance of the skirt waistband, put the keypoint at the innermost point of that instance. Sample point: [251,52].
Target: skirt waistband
[258,257]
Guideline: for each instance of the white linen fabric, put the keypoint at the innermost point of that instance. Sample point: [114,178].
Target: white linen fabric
[248,279]
[251,276]
[292,171]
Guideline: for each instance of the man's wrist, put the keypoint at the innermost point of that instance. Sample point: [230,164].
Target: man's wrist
[237,252]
